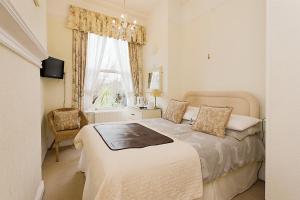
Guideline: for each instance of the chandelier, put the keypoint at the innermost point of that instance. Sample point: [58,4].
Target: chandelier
[123,27]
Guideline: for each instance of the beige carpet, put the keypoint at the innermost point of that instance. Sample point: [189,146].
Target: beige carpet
[64,182]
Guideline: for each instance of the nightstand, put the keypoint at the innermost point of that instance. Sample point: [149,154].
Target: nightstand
[134,113]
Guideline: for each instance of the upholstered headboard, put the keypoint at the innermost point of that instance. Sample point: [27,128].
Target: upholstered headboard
[243,103]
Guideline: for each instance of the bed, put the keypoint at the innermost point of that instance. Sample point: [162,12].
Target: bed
[195,166]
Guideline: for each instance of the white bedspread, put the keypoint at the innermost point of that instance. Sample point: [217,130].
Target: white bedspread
[169,171]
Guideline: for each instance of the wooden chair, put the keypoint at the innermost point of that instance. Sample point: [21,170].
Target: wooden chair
[66,134]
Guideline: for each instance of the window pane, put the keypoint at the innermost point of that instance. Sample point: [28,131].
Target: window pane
[111,93]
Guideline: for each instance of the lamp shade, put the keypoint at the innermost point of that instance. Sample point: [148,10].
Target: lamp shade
[156,93]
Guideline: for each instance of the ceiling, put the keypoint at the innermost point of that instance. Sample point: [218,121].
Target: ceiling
[141,7]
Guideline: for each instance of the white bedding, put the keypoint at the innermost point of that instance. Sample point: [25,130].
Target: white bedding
[169,171]
[218,155]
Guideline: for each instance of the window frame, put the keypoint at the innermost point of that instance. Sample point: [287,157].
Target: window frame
[110,71]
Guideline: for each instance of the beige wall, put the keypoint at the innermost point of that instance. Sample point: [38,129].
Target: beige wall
[156,50]
[59,46]
[34,17]
[231,31]
[162,48]
[283,101]
[175,41]
[20,141]
[20,118]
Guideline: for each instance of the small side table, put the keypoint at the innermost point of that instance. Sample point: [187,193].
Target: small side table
[135,113]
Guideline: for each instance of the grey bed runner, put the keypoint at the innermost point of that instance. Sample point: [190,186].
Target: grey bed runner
[127,136]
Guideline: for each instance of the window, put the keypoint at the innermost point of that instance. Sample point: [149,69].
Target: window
[108,82]
[111,93]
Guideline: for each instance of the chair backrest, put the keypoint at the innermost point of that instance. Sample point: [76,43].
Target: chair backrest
[50,116]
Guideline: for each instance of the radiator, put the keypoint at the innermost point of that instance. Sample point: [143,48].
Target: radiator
[110,116]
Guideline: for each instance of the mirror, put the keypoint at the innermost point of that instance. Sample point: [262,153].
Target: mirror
[154,79]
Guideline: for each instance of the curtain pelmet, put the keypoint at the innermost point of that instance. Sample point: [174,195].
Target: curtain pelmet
[88,21]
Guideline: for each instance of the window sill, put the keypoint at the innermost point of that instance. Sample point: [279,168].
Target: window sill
[106,110]
[107,115]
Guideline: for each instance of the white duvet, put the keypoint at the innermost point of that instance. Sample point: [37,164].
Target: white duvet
[169,171]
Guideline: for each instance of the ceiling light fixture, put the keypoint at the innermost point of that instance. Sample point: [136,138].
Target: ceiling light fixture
[124,26]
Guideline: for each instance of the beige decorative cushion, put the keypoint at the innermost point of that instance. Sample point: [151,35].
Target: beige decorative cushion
[175,111]
[212,120]
[66,120]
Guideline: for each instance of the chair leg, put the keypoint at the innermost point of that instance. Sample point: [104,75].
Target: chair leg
[57,151]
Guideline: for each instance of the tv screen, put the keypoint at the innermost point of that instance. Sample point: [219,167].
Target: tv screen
[53,68]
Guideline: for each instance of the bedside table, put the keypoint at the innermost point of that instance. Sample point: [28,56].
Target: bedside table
[134,113]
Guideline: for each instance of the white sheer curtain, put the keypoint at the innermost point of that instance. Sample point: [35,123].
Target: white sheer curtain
[95,53]
[122,53]
[105,54]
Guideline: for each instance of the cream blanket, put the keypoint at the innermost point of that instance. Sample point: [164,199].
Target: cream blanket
[169,171]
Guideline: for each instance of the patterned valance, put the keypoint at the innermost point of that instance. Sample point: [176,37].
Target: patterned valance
[88,21]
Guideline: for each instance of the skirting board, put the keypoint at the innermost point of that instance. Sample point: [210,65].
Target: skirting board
[40,191]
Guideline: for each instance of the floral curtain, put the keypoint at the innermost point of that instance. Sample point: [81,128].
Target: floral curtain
[135,57]
[79,48]
[88,21]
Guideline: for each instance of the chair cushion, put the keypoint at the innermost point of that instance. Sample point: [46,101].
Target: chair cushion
[66,119]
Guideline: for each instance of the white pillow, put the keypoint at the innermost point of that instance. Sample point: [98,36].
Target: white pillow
[240,135]
[191,113]
[241,122]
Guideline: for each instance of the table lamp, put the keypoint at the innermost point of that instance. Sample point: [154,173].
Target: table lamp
[155,93]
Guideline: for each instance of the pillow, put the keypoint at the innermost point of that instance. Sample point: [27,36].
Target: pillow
[66,120]
[175,111]
[241,122]
[240,135]
[191,113]
[212,120]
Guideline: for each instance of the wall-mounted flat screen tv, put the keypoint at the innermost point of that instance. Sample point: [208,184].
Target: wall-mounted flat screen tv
[53,68]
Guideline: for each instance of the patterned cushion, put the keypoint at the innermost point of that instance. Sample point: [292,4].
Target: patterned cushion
[66,120]
[212,120]
[175,111]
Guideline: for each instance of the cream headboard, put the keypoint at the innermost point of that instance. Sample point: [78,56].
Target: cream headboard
[243,103]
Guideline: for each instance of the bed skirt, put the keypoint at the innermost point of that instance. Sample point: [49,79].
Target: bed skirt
[231,184]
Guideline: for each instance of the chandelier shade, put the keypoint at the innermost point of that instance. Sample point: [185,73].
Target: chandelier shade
[124,25]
